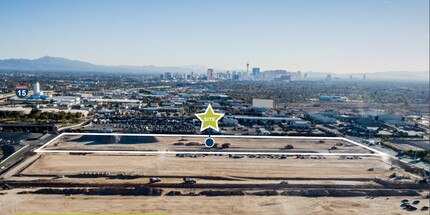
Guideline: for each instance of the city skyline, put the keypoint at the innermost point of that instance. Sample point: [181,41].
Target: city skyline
[329,36]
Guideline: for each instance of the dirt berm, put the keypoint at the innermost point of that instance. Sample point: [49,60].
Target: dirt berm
[95,139]
[222,193]
[349,193]
[137,191]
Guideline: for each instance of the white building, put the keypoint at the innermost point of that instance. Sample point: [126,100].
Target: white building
[322,119]
[262,103]
[37,94]
[301,124]
[332,99]
[36,90]
[66,101]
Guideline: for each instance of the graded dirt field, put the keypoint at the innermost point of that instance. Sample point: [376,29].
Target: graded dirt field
[187,143]
[223,166]
[108,182]
[11,203]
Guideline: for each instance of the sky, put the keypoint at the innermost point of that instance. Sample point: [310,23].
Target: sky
[340,36]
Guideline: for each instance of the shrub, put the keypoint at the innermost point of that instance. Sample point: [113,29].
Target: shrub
[225,145]
[192,144]
[289,146]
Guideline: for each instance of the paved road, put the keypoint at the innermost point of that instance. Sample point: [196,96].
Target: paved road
[15,158]
[20,154]
[392,153]
[4,96]
[76,126]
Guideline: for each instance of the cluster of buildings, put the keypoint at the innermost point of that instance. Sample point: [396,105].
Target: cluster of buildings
[37,94]
[149,104]
[255,74]
[333,99]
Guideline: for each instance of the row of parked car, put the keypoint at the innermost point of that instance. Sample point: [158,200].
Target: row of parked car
[185,180]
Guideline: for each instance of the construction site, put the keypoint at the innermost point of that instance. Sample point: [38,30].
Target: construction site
[177,174]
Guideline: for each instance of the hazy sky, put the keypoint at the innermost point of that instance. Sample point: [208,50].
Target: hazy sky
[307,35]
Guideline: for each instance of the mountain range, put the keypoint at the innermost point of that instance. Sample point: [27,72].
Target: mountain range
[48,63]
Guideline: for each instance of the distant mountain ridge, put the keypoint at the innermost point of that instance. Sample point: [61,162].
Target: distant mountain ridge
[48,63]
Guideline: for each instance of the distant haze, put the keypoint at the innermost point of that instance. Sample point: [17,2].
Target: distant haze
[337,36]
[63,65]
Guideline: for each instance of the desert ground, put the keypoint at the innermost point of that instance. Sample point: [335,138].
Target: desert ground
[29,203]
[52,182]
[222,166]
[186,143]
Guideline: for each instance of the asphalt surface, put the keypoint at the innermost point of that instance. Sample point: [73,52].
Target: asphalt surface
[393,153]
[21,153]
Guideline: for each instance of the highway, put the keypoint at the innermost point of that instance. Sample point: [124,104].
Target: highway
[20,154]
[75,126]
[4,96]
[16,157]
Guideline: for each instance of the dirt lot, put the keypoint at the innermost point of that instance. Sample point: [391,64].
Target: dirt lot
[335,175]
[169,165]
[89,142]
[29,203]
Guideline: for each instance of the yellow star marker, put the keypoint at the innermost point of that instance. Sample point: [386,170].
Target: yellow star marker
[209,119]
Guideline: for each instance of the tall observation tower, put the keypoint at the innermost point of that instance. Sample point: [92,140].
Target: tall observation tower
[247,69]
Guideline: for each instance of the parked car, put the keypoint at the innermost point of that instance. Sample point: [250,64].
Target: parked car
[154,180]
[189,180]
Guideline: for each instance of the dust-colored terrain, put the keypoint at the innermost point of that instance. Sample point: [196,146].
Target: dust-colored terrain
[169,165]
[186,143]
[29,203]
[64,182]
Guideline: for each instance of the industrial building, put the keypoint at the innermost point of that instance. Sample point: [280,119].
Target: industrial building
[37,94]
[263,103]
[332,99]
[264,119]
[322,118]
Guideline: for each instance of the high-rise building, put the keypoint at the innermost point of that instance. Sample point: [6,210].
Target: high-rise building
[256,72]
[36,89]
[210,74]
[276,75]
[328,78]
[37,94]
[168,75]
[298,75]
